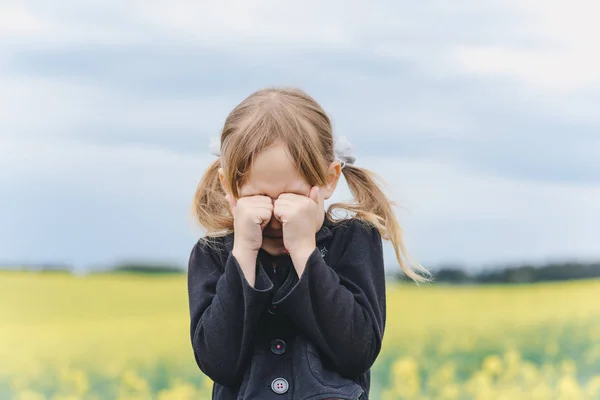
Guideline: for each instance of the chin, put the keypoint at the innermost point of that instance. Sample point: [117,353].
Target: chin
[275,252]
[274,247]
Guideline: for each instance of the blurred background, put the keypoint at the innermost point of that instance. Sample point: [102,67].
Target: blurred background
[482,118]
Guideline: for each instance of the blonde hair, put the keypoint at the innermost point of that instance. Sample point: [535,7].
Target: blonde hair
[293,117]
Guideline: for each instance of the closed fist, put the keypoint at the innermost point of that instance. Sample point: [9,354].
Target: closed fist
[250,215]
[301,217]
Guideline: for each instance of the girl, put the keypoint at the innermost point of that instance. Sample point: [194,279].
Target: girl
[286,301]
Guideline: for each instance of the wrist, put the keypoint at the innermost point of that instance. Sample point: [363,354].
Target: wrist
[300,258]
[302,247]
[244,254]
[304,251]
[247,261]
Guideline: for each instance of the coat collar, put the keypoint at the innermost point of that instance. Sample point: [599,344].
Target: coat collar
[325,232]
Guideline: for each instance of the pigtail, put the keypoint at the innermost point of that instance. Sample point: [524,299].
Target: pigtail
[372,205]
[210,209]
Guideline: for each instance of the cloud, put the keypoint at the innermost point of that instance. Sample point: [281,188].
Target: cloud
[564,58]
[172,98]
[217,23]
[548,70]
[481,115]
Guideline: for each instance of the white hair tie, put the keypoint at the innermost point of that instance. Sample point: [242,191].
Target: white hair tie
[343,151]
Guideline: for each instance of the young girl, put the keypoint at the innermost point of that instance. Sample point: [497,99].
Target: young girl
[287,301]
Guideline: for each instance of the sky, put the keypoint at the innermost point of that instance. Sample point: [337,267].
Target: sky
[480,116]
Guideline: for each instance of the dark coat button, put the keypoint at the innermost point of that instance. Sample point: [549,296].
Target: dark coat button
[278,346]
[280,385]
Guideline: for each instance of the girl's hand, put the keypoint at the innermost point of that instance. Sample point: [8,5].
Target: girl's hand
[250,216]
[301,218]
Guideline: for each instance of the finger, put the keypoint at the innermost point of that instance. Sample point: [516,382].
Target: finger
[281,212]
[264,207]
[289,200]
[278,203]
[262,200]
[277,211]
[264,217]
[290,196]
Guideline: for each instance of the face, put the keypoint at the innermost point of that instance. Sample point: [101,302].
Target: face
[272,174]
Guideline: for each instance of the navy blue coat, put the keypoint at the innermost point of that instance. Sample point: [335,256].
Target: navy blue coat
[289,338]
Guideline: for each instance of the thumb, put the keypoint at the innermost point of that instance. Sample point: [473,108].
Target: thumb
[231,201]
[315,194]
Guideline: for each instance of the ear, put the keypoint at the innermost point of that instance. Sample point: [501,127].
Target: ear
[333,176]
[223,183]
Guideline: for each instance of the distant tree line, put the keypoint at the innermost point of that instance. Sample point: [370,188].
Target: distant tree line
[124,268]
[140,268]
[59,268]
[526,273]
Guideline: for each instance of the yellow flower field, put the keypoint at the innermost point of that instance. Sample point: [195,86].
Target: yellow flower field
[64,337]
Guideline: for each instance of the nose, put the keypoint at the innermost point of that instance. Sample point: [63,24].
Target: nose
[274,225]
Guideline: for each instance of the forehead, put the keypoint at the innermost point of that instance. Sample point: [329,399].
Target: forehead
[272,173]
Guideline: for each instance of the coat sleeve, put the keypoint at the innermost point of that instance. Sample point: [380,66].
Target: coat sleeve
[224,313]
[342,309]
